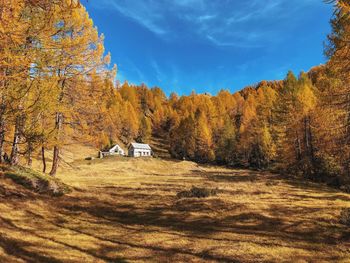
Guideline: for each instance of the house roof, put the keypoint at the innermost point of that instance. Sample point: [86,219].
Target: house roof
[114,147]
[140,146]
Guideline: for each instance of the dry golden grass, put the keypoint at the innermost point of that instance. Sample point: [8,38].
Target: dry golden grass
[125,210]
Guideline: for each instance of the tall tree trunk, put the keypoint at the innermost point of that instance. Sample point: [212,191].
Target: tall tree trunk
[55,161]
[298,147]
[14,158]
[29,156]
[56,150]
[309,149]
[43,158]
[347,137]
[2,111]
[2,137]
[311,143]
[307,169]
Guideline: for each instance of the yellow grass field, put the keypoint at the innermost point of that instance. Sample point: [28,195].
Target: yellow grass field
[126,210]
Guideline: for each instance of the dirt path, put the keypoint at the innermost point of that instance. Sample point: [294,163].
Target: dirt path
[126,210]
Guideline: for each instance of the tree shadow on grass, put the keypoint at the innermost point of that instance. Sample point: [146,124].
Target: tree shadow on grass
[296,184]
[141,212]
[224,177]
[166,219]
[18,249]
[178,217]
[306,186]
[118,244]
[139,218]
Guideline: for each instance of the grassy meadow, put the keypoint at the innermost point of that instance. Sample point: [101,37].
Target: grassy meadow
[126,210]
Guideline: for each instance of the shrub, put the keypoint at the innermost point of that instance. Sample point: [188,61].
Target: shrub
[327,166]
[345,188]
[345,216]
[197,192]
[35,181]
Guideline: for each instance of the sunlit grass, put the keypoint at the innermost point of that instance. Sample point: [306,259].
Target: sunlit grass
[35,181]
[125,209]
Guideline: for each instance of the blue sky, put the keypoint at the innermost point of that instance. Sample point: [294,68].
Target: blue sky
[208,45]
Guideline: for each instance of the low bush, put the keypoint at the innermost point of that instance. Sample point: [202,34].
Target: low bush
[345,188]
[327,167]
[197,192]
[35,181]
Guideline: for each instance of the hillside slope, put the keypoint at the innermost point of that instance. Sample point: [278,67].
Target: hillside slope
[125,209]
[160,146]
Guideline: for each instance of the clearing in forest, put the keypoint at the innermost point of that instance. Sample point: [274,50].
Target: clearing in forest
[125,209]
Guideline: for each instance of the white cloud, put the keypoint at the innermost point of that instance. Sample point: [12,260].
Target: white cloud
[214,21]
[207,17]
[158,73]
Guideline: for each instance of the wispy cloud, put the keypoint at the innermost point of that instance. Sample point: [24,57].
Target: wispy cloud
[127,70]
[147,13]
[158,72]
[214,21]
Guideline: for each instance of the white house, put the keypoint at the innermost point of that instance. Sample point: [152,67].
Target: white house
[115,150]
[139,150]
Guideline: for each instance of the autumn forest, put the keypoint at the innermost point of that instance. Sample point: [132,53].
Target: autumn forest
[56,84]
